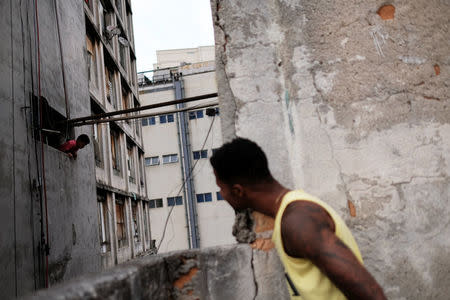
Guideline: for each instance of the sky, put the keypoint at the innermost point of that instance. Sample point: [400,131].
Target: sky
[169,24]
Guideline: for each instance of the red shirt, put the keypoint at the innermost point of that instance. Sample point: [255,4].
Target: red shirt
[69,147]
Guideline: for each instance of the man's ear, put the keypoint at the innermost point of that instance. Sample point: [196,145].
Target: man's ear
[237,190]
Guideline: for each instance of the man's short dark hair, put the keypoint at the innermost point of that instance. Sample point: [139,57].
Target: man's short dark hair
[83,138]
[241,161]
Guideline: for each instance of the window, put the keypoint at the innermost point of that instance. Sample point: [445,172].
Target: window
[119,7]
[125,103]
[136,124]
[130,163]
[130,25]
[152,161]
[198,114]
[103,216]
[145,215]
[200,154]
[101,14]
[172,201]
[170,158]
[92,63]
[207,197]
[110,87]
[155,203]
[123,56]
[115,150]
[107,20]
[170,118]
[120,223]
[219,196]
[98,153]
[134,214]
[144,122]
[141,171]
[162,119]
[152,120]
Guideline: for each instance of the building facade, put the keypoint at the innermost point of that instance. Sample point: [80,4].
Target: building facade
[124,226]
[61,217]
[186,208]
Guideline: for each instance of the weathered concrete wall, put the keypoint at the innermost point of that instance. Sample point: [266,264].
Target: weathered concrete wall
[351,105]
[72,212]
[225,272]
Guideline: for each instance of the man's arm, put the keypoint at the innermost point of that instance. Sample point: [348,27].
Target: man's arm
[308,232]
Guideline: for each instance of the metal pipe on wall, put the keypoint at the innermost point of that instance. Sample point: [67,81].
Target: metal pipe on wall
[185,142]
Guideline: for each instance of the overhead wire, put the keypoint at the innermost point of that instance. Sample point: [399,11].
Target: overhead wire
[182,185]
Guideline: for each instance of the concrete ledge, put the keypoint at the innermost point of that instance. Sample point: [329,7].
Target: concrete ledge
[225,272]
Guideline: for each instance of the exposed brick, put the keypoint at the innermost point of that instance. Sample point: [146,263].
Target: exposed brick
[180,282]
[437,69]
[386,12]
[263,244]
[352,208]
[262,222]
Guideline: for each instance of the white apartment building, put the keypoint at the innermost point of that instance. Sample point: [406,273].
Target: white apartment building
[173,143]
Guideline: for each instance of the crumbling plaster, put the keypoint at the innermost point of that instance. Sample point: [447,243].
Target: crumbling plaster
[353,108]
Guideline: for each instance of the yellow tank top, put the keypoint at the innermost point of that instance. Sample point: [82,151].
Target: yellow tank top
[302,274]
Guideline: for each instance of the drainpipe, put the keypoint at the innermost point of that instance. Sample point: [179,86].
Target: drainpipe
[187,167]
[183,179]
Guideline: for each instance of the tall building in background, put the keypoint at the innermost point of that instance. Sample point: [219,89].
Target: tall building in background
[123,214]
[186,208]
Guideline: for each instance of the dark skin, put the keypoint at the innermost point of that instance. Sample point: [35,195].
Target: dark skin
[308,232]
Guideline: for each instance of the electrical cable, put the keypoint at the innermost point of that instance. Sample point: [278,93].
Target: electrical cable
[63,70]
[28,128]
[46,245]
[13,147]
[36,151]
[182,184]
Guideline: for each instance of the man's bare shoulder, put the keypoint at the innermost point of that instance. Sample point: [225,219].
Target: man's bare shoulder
[302,225]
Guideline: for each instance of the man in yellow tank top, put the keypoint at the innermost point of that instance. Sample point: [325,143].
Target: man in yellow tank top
[320,256]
